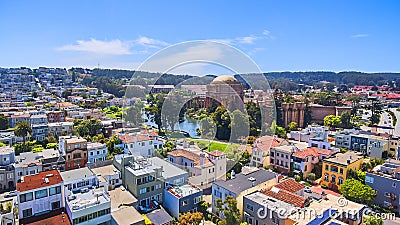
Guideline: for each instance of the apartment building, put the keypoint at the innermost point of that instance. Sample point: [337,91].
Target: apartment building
[336,167]
[97,152]
[7,160]
[75,151]
[261,150]
[40,194]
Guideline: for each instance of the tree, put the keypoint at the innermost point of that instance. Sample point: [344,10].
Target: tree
[356,191]
[3,122]
[311,177]
[134,113]
[281,132]
[190,218]
[345,120]
[229,209]
[373,220]
[332,121]
[22,129]
[293,126]
[66,93]
[223,122]
[88,127]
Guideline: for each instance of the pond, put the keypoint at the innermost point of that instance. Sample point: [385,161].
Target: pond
[188,125]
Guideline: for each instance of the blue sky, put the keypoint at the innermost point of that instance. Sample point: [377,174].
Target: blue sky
[277,35]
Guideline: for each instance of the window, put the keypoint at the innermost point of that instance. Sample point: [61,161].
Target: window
[249,207]
[272,154]
[26,197]
[333,179]
[41,194]
[369,179]
[91,153]
[340,180]
[158,186]
[341,170]
[142,191]
[54,190]
[143,143]
[1,177]
[394,184]
[287,156]
[27,212]
[326,178]
[334,169]
[55,205]
[286,165]
[185,202]
[277,154]
[326,167]
[197,199]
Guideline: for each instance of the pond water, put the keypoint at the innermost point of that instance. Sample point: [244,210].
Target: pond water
[187,125]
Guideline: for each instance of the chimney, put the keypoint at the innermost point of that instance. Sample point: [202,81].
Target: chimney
[202,159]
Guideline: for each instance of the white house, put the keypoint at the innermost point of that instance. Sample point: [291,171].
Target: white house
[97,152]
[40,193]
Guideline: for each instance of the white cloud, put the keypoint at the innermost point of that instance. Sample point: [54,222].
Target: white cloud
[248,39]
[150,42]
[114,47]
[359,35]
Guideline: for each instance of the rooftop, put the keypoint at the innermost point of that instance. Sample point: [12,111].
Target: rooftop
[120,196]
[105,170]
[127,215]
[95,145]
[286,196]
[40,180]
[55,217]
[313,151]
[76,174]
[159,217]
[192,156]
[184,190]
[270,202]
[169,170]
[6,150]
[342,158]
[84,200]
[242,181]
[290,185]
[264,143]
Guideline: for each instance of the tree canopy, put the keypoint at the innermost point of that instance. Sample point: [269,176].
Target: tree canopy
[356,191]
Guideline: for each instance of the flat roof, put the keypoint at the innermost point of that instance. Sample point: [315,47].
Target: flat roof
[169,170]
[40,180]
[127,215]
[241,181]
[120,196]
[76,174]
[105,170]
[93,197]
[95,145]
[184,190]
[341,158]
[6,150]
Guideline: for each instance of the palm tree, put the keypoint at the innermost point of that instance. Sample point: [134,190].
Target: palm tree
[22,129]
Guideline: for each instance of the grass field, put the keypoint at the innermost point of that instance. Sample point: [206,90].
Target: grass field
[223,147]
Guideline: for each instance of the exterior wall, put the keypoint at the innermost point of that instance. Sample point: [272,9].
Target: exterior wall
[222,193]
[55,116]
[327,174]
[75,159]
[388,190]
[143,148]
[97,154]
[40,205]
[74,214]
[271,217]
[131,183]
[176,206]
[280,160]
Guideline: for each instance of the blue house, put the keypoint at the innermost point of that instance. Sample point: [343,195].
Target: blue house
[182,199]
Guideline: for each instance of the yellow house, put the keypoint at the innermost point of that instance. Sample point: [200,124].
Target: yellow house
[336,167]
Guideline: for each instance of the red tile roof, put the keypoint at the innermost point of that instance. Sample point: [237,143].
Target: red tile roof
[290,185]
[32,182]
[126,138]
[313,151]
[264,143]
[285,196]
[216,153]
[191,156]
[55,217]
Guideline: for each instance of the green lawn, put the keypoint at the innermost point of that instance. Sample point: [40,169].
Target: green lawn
[223,147]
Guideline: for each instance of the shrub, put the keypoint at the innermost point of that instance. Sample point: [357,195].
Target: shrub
[324,186]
